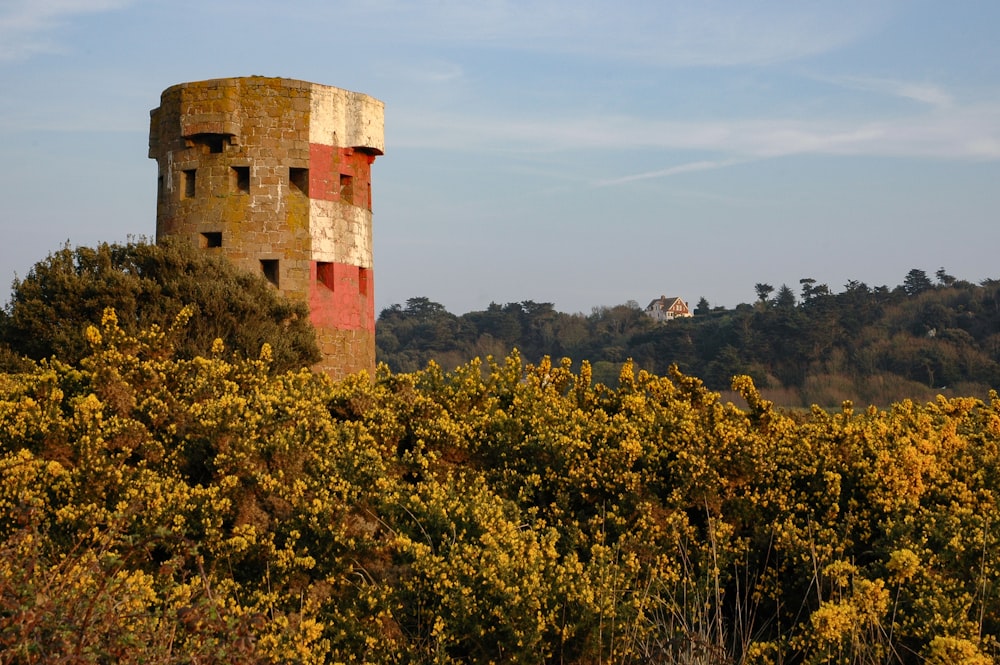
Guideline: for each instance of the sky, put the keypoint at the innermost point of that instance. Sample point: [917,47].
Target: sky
[579,152]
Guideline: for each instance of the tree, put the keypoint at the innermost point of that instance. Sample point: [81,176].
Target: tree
[763,291]
[702,307]
[812,293]
[423,307]
[916,281]
[943,278]
[785,298]
[147,285]
[807,287]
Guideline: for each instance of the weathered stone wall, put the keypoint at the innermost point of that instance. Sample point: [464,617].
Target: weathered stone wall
[276,175]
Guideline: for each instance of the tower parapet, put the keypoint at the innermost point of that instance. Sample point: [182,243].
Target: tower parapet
[275,174]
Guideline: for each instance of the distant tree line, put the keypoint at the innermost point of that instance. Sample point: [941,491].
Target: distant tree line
[869,344]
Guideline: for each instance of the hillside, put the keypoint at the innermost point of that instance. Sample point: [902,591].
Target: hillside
[874,345]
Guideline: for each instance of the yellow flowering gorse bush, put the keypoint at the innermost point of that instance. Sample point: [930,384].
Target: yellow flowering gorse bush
[160,510]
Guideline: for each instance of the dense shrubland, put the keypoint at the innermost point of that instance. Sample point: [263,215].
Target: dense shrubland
[873,345]
[163,509]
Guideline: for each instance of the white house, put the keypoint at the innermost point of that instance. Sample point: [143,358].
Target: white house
[664,309]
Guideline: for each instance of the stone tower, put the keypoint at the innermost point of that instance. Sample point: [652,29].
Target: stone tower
[276,175]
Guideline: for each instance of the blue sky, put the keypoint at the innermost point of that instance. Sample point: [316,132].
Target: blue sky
[579,152]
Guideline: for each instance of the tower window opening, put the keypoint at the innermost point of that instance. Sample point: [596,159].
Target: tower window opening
[241,178]
[189,183]
[324,274]
[211,239]
[159,187]
[346,188]
[213,143]
[270,269]
[299,179]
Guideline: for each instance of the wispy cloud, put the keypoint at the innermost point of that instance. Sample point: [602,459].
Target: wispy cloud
[925,93]
[26,26]
[671,33]
[955,133]
[690,167]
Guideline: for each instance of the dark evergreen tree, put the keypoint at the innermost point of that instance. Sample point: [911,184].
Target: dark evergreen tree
[916,281]
[785,298]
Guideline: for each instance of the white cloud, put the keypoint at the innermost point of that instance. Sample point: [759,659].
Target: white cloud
[26,26]
[690,167]
[672,33]
[738,33]
[961,133]
[925,93]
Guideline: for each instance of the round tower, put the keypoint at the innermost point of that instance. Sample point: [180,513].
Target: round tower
[275,174]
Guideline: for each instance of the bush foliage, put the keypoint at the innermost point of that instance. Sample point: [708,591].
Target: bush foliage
[148,284]
[164,509]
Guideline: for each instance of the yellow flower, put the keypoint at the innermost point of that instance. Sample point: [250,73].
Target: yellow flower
[903,564]
[954,650]
[833,621]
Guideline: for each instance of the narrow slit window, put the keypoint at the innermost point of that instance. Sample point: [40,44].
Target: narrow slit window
[324,274]
[189,183]
[159,187]
[346,188]
[241,179]
[299,179]
[211,239]
[270,269]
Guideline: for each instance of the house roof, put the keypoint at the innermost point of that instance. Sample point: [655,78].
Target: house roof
[663,302]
